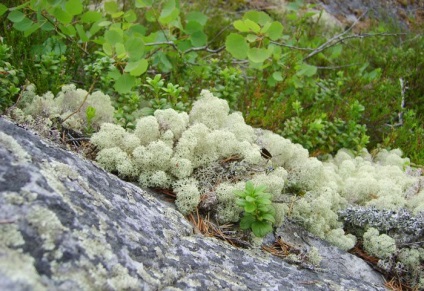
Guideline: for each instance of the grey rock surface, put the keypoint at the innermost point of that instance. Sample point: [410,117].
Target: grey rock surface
[66,224]
[396,12]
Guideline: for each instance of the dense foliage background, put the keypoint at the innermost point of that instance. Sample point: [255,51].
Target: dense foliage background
[287,69]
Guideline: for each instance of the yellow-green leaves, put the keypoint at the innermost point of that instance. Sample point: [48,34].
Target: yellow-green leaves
[194,28]
[247,25]
[137,68]
[91,17]
[170,12]
[143,3]
[253,41]
[259,214]
[74,7]
[237,46]
[125,83]
[259,55]
[306,70]
[274,31]
[16,16]
[3,9]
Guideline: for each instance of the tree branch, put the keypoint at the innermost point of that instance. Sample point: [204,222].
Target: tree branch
[334,40]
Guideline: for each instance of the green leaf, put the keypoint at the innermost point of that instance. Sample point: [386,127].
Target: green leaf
[150,15]
[137,68]
[91,16]
[74,7]
[81,33]
[263,200]
[264,208]
[336,51]
[240,193]
[258,55]
[169,12]
[259,17]
[197,16]
[111,7]
[95,28]
[114,36]
[34,27]
[164,64]
[114,73]
[252,26]
[261,228]
[277,76]
[246,25]
[250,199]
[63,16]
[251,38]
[250,207]
[241,202]
[47,26]
[124,84]
[104,23]
[275,31]
[268,217]
[193,26]
[250,188]
[68,30]
[246,221]
[135,48]
[137,29]
[260,188]
[3,9]
[16,16]
[237,46]
[23,25]
[108,49]
[120,50]
[130,16]
[199,38]
[117,14]
[143,3]
[306,70]
[240,26]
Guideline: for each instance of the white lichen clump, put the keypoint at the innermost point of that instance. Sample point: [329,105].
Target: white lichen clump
[382,246]
[209,153]
[68,100]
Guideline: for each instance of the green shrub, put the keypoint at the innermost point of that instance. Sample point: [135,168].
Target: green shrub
[259,215]
[10,78]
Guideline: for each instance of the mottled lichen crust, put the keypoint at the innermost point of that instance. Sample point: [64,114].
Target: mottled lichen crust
[11,145]
[65,224]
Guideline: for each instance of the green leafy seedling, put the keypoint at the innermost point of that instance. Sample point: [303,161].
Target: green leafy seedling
[259,215]
[90,113]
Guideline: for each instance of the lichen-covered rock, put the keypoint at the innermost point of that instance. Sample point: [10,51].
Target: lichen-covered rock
[66,224]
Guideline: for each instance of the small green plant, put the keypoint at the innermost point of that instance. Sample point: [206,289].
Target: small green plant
[9,78]
[259,215]
[90,113]
[161,96]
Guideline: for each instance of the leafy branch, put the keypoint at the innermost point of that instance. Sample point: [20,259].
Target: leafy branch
[259,214]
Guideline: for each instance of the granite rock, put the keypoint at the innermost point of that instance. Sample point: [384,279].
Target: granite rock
[66,224]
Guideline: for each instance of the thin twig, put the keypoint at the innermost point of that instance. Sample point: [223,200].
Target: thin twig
[8,221]
[336,67]
[171,43]
[334,40]
[82,103]
[205,48]
[19,97]
[292,46]
[66,36]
